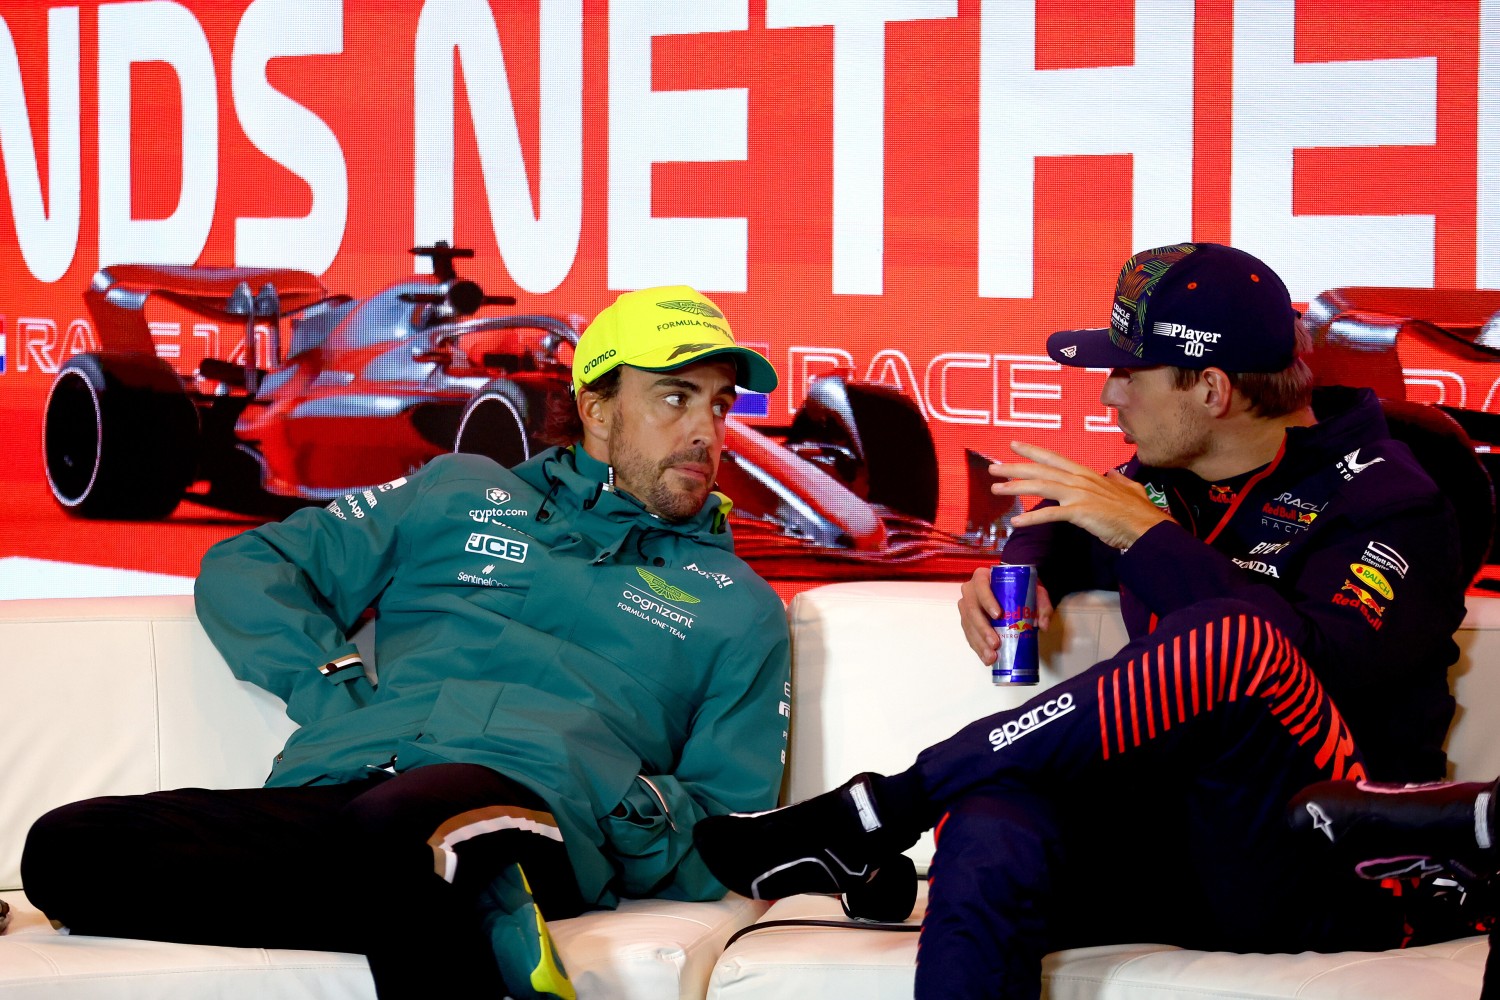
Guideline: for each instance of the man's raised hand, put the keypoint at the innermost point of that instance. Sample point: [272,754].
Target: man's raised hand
[1111,507]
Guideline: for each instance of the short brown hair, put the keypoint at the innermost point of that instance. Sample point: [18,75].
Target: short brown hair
[562,426]
[1270,394]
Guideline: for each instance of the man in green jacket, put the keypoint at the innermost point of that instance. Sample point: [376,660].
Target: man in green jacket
[573,669]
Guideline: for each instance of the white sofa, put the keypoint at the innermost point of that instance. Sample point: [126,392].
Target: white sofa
[125,695]
[114,695]
[880,671]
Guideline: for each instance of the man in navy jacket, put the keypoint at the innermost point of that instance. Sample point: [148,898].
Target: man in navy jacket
[1277,554]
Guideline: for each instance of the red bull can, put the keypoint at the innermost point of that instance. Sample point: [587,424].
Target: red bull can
[1014,588]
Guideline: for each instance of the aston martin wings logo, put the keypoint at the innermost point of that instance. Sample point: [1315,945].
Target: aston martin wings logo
[664,589]
[692,306]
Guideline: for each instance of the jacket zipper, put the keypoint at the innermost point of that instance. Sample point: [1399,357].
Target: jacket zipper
[660,799]
[1250,484]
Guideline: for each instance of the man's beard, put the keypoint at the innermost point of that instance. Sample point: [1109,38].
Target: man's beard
[647,482]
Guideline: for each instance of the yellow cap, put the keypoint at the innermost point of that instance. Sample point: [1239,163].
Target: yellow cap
[659,329]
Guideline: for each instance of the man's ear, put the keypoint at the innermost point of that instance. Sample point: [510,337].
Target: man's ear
[1218,391]
[594,412]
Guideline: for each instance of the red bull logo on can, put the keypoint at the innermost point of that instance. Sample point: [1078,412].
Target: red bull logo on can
[1014,588]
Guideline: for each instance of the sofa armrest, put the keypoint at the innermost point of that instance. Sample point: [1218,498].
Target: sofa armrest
[119,695]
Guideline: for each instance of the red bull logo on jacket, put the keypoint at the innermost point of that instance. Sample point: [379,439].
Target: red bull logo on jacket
[1362,600]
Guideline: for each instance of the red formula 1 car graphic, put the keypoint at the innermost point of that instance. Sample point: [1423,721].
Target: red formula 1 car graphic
[1425,345]
[1434,345]
[282,394]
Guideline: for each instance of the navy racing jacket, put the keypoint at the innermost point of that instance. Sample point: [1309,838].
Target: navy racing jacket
[1342,541]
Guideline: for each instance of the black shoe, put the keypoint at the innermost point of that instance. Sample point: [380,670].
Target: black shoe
[888,896]
[832,843]
[1402,830]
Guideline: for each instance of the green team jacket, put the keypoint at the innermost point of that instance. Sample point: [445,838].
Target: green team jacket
[633,672]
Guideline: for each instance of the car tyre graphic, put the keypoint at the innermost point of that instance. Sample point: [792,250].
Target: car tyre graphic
[494,425]
[895,464]
[119,438]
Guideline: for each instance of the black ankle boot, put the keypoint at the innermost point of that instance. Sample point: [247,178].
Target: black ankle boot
[888,896]
[831,843]
[1383,827]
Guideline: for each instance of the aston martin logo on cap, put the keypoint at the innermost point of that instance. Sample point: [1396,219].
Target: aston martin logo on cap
[692,306]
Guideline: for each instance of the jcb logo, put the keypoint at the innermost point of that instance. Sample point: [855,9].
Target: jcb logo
[496,547]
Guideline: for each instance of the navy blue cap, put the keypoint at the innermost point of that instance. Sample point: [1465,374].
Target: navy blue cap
[1192,305]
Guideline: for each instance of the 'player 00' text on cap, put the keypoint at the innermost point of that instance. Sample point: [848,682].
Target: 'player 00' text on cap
[659,329]
[1192,305]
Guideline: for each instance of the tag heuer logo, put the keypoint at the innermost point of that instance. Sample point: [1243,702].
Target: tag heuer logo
[496,495]
[665,589]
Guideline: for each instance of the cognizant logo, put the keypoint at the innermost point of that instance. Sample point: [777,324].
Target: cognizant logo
[653,606]
[1030,722]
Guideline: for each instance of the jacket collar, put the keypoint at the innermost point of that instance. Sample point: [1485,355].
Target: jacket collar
[1347,418]
[577,481]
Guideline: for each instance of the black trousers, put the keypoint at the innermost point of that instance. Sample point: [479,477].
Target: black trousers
[1142,800]
[390,867]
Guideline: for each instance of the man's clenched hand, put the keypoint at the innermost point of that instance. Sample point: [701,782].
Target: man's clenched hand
[977,607]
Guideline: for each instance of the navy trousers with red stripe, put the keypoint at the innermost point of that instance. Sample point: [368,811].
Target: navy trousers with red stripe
[1142,801]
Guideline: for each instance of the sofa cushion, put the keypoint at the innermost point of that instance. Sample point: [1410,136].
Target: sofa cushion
[1473,751]
[646,950]
[855,961]
[36,962]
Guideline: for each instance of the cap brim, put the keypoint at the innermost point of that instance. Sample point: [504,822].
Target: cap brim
[752,371]
[1089,348]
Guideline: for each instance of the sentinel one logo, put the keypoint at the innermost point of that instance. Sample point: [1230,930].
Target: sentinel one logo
[1029,722]
[498,548]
